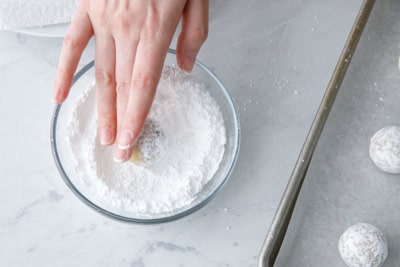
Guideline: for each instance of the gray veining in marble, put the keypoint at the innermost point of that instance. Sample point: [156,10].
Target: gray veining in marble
[275,57]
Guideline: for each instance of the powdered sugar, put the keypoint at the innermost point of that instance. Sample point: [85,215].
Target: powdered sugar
[190,144]
[15,14]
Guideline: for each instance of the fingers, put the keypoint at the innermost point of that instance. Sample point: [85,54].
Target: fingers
[148,63]
[127,71]
[146,74]
[122,155]
[194,33]
[105,88]
[78,35]
[144,82]
[125,57]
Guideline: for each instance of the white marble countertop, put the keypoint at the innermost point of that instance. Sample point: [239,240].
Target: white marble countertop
[275,57]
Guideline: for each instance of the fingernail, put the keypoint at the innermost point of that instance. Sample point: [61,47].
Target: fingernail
[56,94]
[54,100]
[125,140]
[188,61]
[106,136]
[120,155]
[117,160]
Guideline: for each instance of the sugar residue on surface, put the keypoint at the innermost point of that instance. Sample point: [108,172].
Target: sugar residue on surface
[195,138]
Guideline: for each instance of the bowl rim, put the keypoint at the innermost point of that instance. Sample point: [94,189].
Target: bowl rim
[184,213]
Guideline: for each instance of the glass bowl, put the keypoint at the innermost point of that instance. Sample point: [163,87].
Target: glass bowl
[64,161]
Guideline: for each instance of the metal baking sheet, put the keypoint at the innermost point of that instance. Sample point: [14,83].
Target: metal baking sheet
[342,186]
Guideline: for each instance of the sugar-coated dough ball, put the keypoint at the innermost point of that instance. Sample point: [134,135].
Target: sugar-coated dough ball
[150,146]
[363,245]
[384,149]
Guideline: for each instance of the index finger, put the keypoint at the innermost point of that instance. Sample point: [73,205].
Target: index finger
[146,73]
[78,35]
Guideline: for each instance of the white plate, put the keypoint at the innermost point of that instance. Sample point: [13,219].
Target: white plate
[55,31]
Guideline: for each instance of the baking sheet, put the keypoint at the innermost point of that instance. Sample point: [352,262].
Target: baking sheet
[342,186]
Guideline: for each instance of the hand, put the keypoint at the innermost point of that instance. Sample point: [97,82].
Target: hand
[132,38]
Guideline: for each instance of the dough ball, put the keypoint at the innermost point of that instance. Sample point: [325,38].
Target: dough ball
[363,245]
[384,149]
[150,146]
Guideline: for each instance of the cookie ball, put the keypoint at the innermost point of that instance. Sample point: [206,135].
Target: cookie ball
[384,149]
[363,245]
[150,146]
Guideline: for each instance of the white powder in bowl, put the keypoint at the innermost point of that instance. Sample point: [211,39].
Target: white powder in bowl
[193,143]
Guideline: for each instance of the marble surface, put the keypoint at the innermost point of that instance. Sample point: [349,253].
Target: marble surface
[275,57]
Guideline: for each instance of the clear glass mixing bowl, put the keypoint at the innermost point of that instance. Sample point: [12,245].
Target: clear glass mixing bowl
[64,162]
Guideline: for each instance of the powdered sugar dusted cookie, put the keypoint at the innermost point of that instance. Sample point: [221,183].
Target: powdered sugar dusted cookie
[150,147]
[384,149]
[363,245]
